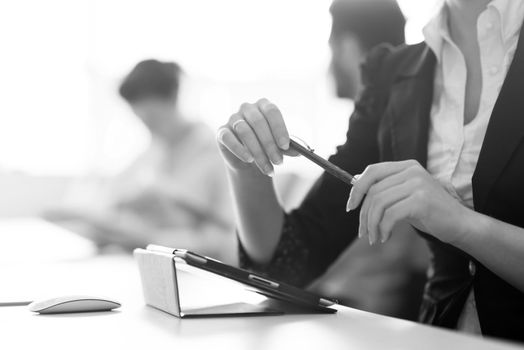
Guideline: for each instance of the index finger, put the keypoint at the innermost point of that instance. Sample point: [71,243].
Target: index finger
[373,174]
[275,121]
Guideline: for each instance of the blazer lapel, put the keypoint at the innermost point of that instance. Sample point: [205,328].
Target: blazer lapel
[505,129]
[410,106]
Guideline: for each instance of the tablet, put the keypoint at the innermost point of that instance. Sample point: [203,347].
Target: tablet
[261,284]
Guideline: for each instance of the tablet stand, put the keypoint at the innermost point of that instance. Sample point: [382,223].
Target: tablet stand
[168,286]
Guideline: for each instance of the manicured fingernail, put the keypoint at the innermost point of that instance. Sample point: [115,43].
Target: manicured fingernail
[350,206]
[360,233]
[268,170]
[283,143]
[248,158]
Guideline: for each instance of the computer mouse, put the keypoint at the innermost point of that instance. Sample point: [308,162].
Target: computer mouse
[73,303]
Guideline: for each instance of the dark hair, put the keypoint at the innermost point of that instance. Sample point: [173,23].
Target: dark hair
[372,22]
[151,78]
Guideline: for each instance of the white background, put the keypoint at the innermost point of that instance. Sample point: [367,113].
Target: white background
[61,62]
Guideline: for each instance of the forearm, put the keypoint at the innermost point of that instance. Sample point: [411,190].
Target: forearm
[259,213]
[497,245]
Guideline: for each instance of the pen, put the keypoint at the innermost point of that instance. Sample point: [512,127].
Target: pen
[324,164]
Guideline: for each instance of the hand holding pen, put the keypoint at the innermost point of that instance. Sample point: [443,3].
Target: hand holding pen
[257,134]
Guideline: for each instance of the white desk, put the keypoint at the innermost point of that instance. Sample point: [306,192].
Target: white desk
[136,325]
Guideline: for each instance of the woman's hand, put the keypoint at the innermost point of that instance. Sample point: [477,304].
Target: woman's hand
[255,135]
[396,192]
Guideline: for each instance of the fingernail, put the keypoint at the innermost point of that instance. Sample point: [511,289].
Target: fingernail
[277,160]
[283,143]
[248,158]
[348,208]
[268,170]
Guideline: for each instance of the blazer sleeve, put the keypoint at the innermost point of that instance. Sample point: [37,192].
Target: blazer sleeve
[317,231]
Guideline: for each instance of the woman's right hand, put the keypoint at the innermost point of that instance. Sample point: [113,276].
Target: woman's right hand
[255,136]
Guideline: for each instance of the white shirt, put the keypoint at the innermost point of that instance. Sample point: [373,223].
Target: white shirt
[454,147]
[186,179]
[170,188]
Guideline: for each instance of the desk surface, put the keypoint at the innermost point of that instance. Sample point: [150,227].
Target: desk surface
[136,325]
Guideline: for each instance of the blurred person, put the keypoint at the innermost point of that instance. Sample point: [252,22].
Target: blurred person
[175,193]
[385,279]
[356,27]
[436,144]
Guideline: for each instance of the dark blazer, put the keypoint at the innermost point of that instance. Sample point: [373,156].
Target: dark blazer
[390,123]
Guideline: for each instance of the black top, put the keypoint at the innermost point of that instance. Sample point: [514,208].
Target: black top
[390,123]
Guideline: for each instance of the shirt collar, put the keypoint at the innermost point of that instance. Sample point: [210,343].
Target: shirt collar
[436,31]
[510,13]
[511,16]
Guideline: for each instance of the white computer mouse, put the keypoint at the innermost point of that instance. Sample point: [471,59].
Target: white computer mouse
[73,303]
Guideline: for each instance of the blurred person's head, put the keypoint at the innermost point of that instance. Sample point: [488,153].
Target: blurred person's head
[151,89]
[357,27]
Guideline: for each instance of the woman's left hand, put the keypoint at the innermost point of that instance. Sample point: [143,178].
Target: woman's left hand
[395,192]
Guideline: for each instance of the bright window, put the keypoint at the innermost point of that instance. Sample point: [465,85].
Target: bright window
[62,61]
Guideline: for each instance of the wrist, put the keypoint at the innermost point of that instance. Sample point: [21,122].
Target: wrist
[471,229]
[249,174]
